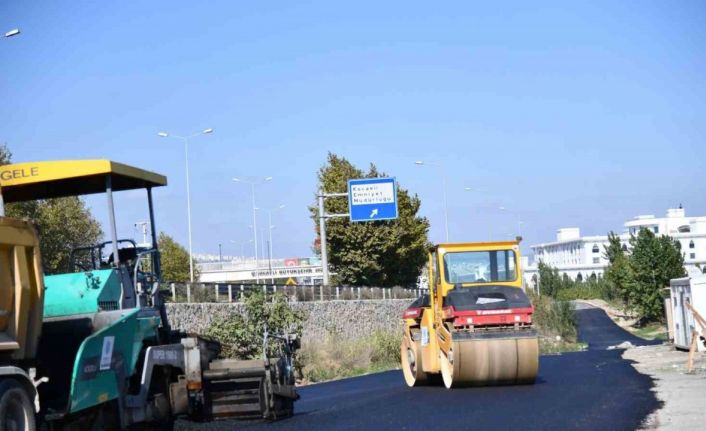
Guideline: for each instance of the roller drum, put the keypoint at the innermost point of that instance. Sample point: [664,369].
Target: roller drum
[494,361]
[411,358]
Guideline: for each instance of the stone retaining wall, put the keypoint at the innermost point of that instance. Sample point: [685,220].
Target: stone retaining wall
[351,319]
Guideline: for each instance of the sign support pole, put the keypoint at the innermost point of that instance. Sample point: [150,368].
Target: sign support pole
[322,230]
[380,204]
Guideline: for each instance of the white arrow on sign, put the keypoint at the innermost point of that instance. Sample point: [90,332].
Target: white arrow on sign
[374,213]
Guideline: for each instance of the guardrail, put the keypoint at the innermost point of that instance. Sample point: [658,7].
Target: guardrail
[231,293]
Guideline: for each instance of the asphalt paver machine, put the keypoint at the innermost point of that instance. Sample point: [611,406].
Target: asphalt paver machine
[474,328]
[92,349]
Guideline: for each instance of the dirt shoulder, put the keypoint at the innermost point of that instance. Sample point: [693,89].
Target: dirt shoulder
[682,394]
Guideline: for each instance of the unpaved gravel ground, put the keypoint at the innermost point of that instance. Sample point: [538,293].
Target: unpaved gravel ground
[683,394]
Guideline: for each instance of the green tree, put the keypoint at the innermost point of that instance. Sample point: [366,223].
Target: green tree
[550,282]
[63,224]
[174,259]
[621,280]
[380,253]
[241,335]
[5,155]
[614,248]
[619,274]
[654,262]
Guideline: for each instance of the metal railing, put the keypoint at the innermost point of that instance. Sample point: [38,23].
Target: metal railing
[232,293]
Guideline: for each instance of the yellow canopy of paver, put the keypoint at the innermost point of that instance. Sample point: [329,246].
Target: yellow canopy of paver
[44,180]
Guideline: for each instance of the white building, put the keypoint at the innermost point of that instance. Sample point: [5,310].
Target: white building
[581,257]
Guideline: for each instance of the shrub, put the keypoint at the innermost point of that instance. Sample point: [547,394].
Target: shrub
[336,357]
[241,335]
[386,347]
[554,318]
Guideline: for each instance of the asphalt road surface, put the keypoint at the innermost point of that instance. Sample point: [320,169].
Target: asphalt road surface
[590,390]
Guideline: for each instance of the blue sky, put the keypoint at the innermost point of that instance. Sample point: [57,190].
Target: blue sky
[564,113]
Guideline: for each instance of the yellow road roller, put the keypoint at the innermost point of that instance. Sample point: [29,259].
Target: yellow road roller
[474,328]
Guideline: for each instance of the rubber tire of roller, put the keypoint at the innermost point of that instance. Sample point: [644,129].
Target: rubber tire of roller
[415,377]
[491,362]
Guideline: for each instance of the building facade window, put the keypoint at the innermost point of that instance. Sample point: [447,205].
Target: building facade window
[656,229]
[596,249]
[691,244]
[579,277]
[692,255]
[596,260]
[625,247]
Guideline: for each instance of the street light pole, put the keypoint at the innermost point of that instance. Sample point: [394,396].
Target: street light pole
[446,206]
[519,220]
[254,220]
[269,244]
[446,203]
[254,231]
[270,227]
[188,189]
[242,247]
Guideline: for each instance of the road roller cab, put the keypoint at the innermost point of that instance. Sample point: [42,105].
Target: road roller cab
[475,326]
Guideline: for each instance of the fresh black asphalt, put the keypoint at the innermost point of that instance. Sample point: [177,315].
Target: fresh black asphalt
[591,390]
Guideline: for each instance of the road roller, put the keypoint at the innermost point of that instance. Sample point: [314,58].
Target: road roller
[474,327]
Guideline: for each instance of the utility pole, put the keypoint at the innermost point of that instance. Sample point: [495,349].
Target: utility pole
[144,227]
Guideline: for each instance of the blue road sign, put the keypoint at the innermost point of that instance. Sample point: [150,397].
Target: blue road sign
[372,199]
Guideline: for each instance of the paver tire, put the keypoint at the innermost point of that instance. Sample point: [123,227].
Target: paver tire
[16,411]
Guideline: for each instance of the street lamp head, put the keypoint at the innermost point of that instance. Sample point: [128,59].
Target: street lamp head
[419,162]
[268,178]
[207,131]
[282,206]
[237,180]
[163,134]
[468,189]
[13,32]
